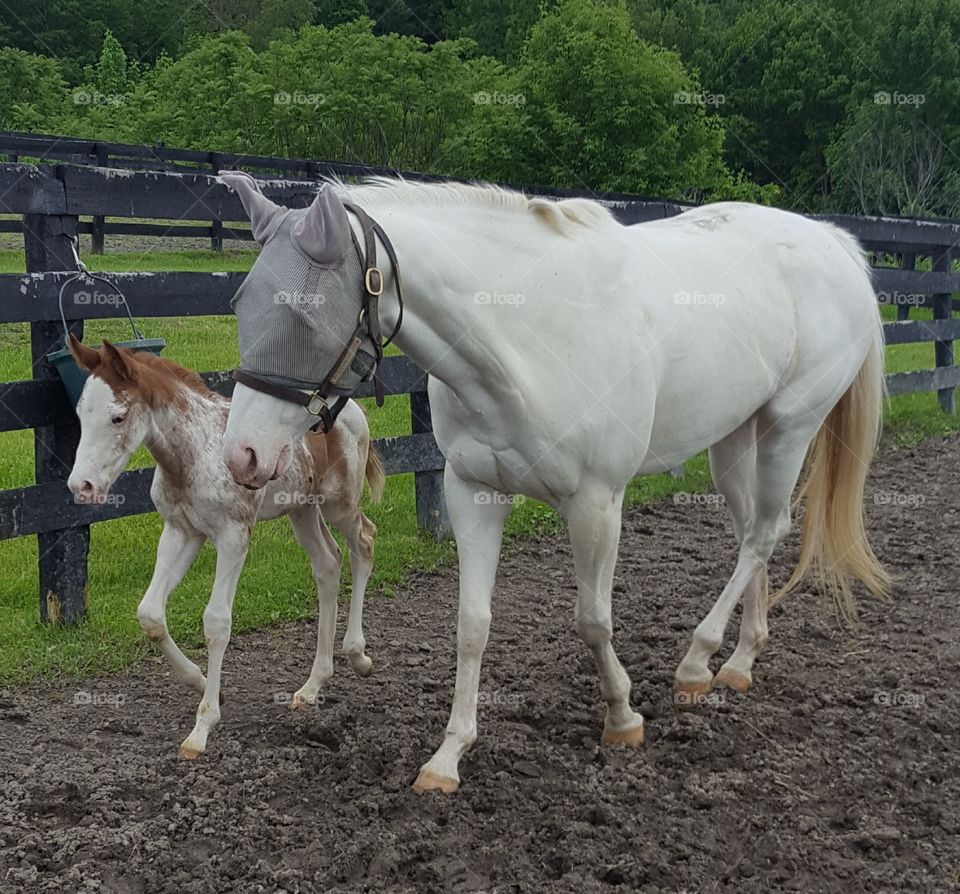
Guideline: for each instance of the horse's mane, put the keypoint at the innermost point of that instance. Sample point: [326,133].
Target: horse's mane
[165,367]
[564,216]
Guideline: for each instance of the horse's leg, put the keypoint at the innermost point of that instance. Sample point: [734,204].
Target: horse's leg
[177,549]
[733,465]
[232,544]
[594,519]
[324,554]
[477,515]
[781,449]
[359,532]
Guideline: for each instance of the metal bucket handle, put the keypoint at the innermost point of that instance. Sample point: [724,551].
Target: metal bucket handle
[83,273]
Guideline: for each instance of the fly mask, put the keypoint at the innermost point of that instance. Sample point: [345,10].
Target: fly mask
[308,311]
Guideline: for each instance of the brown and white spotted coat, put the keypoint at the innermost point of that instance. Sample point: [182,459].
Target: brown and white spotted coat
[131,399]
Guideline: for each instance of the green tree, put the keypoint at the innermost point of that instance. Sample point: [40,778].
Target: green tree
[786,71]
[593,105]
[32,91]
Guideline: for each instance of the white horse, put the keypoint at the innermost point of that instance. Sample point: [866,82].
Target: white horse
[131,399]
[568,353]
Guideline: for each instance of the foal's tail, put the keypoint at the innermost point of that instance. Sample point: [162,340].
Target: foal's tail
[374,474]
[834,542]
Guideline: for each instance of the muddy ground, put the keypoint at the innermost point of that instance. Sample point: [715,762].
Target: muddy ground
[839,771]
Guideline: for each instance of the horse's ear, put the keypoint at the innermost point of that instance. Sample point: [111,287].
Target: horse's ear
[83,355]
[120,363]
[324,230]
[265,216]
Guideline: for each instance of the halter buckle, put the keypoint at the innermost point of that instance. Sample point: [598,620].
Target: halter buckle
[320,407]
[373,288]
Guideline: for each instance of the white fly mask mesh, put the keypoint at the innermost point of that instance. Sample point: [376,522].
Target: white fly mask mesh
[296,318]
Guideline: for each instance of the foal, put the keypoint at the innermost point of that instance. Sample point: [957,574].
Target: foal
[131,399]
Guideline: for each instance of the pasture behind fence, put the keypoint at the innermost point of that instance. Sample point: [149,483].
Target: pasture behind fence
[52,199]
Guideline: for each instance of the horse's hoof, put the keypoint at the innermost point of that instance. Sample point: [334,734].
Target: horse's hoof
[731,679]
[301,703]
[363,666]
[188,753]
[632,737]
[687,696]
[431,782]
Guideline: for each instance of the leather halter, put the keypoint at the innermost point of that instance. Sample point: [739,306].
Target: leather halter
[368,324]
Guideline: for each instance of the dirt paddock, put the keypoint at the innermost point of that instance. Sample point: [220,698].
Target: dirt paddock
[838,771]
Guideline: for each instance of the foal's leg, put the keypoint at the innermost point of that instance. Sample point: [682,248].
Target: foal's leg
[324,554]
[594,518]
[359,533]
[477,515]
[177,549]
[781,450]
[232,547]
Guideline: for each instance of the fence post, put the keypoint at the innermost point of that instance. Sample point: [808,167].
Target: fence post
[428,486]
[216,226]
[943,310]
[908,262]
[97,228]
[63,553]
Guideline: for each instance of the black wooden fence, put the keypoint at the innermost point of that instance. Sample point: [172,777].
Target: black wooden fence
[39,148]
[52,199]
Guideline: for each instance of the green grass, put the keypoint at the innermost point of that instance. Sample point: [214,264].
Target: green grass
[276,583]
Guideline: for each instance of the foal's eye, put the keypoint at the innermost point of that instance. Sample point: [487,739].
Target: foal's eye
[118,419]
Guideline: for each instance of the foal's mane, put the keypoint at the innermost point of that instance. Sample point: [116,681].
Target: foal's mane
[157,377]
[563,216]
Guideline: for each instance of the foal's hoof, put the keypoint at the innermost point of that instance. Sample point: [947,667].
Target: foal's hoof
[731,679]
[687,696]
[362,665]
[430,782]
[631,737]
[188,753]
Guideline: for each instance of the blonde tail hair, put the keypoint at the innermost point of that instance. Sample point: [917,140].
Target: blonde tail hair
[834,543]
[374,474]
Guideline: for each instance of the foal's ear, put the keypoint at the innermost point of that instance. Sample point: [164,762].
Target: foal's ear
[120,363]
[324,230]
[265,216]
[83,355]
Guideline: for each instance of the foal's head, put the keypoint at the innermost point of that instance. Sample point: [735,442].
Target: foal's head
[121,394]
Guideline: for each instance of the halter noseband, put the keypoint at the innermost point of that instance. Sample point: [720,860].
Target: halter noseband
[368,326]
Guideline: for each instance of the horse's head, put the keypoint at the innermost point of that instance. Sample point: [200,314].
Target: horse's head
[290,323]
[114,418]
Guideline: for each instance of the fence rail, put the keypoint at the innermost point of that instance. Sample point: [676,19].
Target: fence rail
[51,200]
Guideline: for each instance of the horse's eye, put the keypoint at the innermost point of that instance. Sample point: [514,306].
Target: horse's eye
[118,419]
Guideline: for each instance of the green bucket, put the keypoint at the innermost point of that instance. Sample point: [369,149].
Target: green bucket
[71,375]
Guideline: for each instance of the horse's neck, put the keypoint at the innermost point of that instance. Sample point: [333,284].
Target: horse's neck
[179,436]
[441,330]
